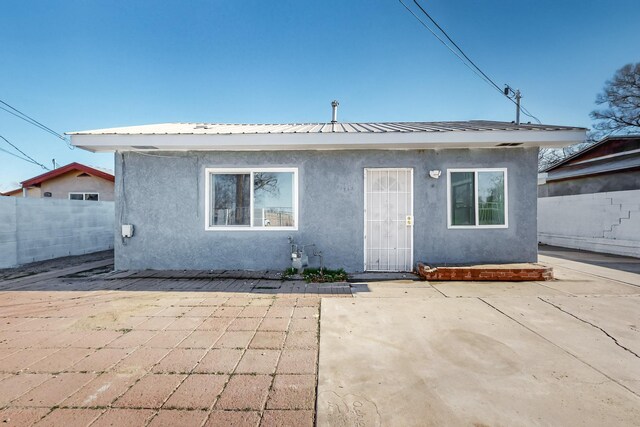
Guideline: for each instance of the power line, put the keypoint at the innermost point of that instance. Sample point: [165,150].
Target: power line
[25,154]
[19,114]
[456,46]
[441,41]
[468,61]
[28,121]
[15,155]
[32,120]
[527,113]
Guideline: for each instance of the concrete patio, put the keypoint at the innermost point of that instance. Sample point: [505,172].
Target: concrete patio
[564,352]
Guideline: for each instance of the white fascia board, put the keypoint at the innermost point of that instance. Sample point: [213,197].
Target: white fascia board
[328,141]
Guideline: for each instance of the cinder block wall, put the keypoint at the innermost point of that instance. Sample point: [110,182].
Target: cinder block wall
[603,222]
[39,229]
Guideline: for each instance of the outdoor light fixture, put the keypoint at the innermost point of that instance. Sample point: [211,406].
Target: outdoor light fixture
[435,174]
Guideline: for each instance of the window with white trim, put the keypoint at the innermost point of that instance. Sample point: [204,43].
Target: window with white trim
[477,198]
[251,199]
[84,196]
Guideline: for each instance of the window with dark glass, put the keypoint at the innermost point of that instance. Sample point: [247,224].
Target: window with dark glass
[477,198]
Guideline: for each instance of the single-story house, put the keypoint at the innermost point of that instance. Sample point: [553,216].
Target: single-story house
[74,181]
[369,196]
[591,200]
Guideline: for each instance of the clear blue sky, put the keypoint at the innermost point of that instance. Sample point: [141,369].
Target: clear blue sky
[81,64]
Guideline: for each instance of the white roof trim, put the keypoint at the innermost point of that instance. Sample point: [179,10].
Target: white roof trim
[327,141]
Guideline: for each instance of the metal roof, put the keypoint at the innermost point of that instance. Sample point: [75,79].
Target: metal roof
[624,161]
[320,128]
[588,148]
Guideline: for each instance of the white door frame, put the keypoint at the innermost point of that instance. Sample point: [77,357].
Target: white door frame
[365,212]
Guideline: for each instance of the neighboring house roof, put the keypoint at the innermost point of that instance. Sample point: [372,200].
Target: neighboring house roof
[611,154]
[591,148]
[64,169]
[11,192]
[384,135]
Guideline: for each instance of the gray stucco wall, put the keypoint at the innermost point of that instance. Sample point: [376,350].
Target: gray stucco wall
[163,197]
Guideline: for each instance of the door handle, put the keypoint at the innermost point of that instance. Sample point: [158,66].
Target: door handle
[409,220]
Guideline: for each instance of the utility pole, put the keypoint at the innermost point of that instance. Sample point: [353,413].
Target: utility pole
[510,93]
[518,96]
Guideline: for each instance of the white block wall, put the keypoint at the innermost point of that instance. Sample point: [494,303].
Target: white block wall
[599,222]
[38,229]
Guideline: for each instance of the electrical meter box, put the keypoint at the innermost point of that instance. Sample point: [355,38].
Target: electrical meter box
[127,230]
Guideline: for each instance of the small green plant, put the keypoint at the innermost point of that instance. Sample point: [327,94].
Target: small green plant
[325,275]
[288,273]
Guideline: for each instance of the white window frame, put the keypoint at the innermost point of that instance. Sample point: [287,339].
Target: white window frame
[475,192]
[207,207]
[84,195]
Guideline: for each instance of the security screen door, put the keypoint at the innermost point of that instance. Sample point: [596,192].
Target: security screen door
[388,219]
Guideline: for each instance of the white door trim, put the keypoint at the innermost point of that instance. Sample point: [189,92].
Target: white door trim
[410,170]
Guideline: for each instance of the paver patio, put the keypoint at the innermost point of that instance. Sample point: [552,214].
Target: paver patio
[131,350]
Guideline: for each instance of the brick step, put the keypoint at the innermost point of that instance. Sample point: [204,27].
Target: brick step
[492,273]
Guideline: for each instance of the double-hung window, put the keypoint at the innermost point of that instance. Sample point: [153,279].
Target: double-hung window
[84,196]
[251,198]
[477,198]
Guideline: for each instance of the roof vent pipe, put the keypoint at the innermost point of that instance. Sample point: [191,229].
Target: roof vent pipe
[334,111]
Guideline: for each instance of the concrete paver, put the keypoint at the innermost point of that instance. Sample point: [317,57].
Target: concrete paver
[150,392]
[172,418]
[70,417]
[292,392]
[17,385]
[233,418]
[234,339]
[197,392]
[101,360]
[277,418]
[297,361]
[245,392]
[180,360]
[274,324]
[103,390]
[258,361]
[120,417]
[200,339]
[272,340]
[53,391]
[219,361]
[17,417]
